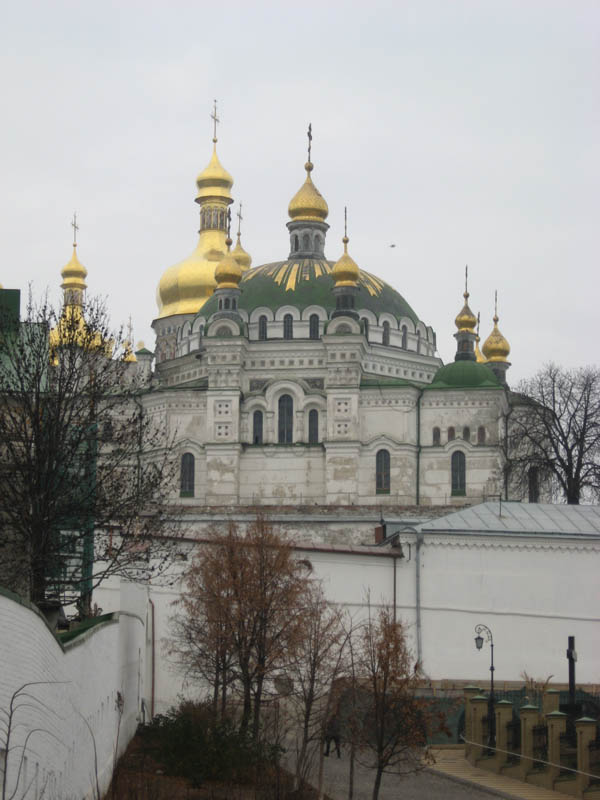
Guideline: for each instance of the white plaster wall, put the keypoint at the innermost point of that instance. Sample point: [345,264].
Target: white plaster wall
[84,678]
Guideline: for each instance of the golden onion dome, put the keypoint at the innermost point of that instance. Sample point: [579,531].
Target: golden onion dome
[241,256]
[128,354]
[495,347]
[73,275]
[308,203]
[187,285]
[228,273]
[479,357]
[214,181]
[466,320]
[345,271]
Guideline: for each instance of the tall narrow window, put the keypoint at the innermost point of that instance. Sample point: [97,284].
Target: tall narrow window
[386,333]
[458,464]
[187,475]
[365,323]
[436,435]
[313,325]
[382,472]
[262,327]
[418,341]
[481,435]
[226,302]
[257,427]
[296,244]
[286,419]
[467,433]
[451,434]
[404,337]
[533,478]
[288,327]
[313,426]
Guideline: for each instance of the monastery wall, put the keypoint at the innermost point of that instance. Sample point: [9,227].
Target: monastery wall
[72,707]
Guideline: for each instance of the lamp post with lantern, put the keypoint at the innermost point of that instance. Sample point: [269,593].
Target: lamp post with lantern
[481,631]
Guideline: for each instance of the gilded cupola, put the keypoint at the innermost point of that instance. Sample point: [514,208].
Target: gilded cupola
[308,204]
[466,320]
[345,271]
[73,274]
[496,349]
[465,323]
[186,286]
[228,273]
[241,256]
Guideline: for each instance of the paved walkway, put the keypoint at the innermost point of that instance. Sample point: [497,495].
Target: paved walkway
[452,778]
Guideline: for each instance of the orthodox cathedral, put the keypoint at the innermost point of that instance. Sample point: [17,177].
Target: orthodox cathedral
[310,381]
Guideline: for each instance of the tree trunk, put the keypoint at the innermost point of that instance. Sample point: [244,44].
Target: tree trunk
[377,784]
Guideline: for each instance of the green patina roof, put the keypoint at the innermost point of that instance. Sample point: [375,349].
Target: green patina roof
[464,375]
[305,282]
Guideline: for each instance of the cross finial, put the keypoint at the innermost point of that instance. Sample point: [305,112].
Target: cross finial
[346,222]
[466,277]
[496,303]
[130,330]
[240,218]
[215,120]
[228,240]
[75,227]
[478,315]
[309,139]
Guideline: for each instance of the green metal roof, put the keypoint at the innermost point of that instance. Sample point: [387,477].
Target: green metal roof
[464,375]
[305,282]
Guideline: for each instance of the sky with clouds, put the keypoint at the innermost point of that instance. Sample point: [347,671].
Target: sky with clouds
[462,131]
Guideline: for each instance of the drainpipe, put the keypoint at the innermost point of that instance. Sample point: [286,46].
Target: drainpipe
[418,481]
[153,659]
[418,596]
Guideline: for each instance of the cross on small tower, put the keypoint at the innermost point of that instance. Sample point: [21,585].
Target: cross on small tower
[496,303]
[215,120]
[309,139]
[130,330]
[345,222]
[75,227]
[478,315]
[240,218]
[466,278]
[229,225]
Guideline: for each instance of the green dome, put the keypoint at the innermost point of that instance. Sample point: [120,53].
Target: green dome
[306,282]
[464,375]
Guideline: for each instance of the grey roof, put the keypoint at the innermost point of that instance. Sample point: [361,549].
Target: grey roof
[526,518]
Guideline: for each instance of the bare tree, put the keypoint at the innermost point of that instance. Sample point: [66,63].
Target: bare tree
[554,434]
[85,472]
[392,722]
[252,593]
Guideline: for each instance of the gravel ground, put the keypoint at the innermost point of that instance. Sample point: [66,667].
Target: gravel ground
[424,786]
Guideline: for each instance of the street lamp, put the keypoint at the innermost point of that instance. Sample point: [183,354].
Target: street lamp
[479,630]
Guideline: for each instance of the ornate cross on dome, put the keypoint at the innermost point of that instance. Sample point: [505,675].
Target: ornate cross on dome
[466,278]
[345,222]
[309,139]
[75,227]
[240,218]
[130,330]
[496,303]
[216,121]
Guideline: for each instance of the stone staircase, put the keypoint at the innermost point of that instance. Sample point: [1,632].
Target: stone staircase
[452,763]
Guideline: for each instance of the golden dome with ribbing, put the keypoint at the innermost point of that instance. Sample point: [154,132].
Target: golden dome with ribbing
[308,203]
[241,256]
[345,271]
[228,273]
[214,181]
[495,347]
[73,275]
[466,320]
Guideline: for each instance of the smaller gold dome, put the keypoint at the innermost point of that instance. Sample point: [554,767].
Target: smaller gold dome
[466,320]
[214,180]
[73,275]
[128,354]
[308,203]
[228,273]
[345,271]
[495,347]
[241,256]
[479,357]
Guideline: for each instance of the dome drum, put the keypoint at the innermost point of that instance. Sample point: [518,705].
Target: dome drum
[307,240]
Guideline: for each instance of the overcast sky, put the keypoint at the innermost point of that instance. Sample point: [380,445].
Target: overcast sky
[463,132]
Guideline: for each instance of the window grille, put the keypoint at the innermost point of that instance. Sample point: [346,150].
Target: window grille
[382,472]
[286,419]
[187,475]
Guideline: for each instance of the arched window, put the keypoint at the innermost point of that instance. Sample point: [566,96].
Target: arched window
[318,247]
[451,434]
[262,327]
[187,475]
[533,479]
[288,327]
[306,242]
[257,427]
[481,435]
[365,323]
[286,419]
[467,433]
[458,463]
[313,426]
[234,304]
[386,333]
[296,244]
[436,435]
[418,341]
[382,472]
[313,325]
[404,337]
[226,302]
[220,303]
